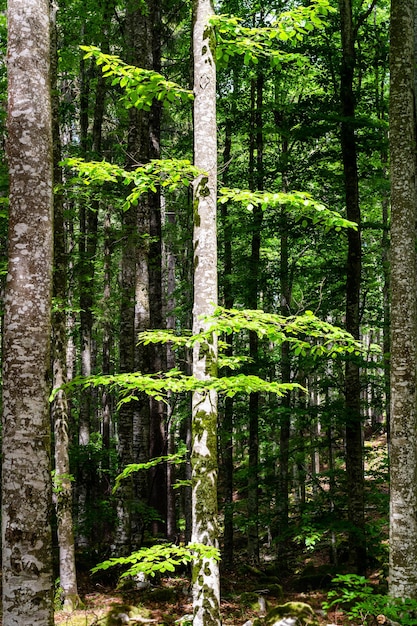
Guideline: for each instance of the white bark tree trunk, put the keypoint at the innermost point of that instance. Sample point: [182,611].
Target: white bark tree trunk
[206,588]
[26,481]
[403,506]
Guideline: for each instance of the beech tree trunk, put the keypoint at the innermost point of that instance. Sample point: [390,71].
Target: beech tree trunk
[63,495]
[206,584]
[26,481]
[403,504]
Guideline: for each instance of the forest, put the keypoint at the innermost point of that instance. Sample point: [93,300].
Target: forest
[209,312]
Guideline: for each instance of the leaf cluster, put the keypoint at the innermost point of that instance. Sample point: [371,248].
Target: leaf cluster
[356,595]
[136,467]
[233,38]
[300,204]
[167,173]
[140,86]
[305,333]
[159,558]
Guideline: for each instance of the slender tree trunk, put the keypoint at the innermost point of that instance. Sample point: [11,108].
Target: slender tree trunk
[157,353]
[138,436]
[385,249]
[354,446]
[227,426]
[169,264]
[403,502]
[26,432]
[285,417]
[106,397]
[253,500]
[63,496]
[88,220]
[206,584]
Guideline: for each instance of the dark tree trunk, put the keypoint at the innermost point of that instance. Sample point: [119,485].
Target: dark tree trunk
[354,446]
[157,353]
[285,417]
[227,425]
[257,181]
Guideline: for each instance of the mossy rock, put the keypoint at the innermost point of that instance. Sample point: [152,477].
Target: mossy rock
[120,613]
[275,591]
[250,600]
[300,610]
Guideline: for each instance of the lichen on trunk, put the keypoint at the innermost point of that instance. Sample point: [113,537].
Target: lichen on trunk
[206,587]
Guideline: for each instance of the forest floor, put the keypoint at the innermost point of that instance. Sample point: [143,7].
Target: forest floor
[169,602]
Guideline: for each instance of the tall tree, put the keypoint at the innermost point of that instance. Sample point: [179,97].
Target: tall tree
[255,182]
[26,481]
[403,521]
[354,456]
[206,587]
[63,494]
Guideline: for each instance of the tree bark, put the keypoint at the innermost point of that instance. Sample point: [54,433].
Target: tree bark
[403,495]
[206,586]
[26,482]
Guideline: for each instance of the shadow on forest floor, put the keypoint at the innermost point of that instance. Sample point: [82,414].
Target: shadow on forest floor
[169,602]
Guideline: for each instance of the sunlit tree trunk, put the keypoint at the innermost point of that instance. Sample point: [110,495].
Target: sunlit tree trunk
[403,505]
[26,435]
[206,587]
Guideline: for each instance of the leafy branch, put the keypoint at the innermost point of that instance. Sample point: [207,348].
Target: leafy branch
[300,203]
[167,173]
[159,559]
[141,86]
[297,330]
[137,467]
[235,39]
[305,333]
[174,381]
